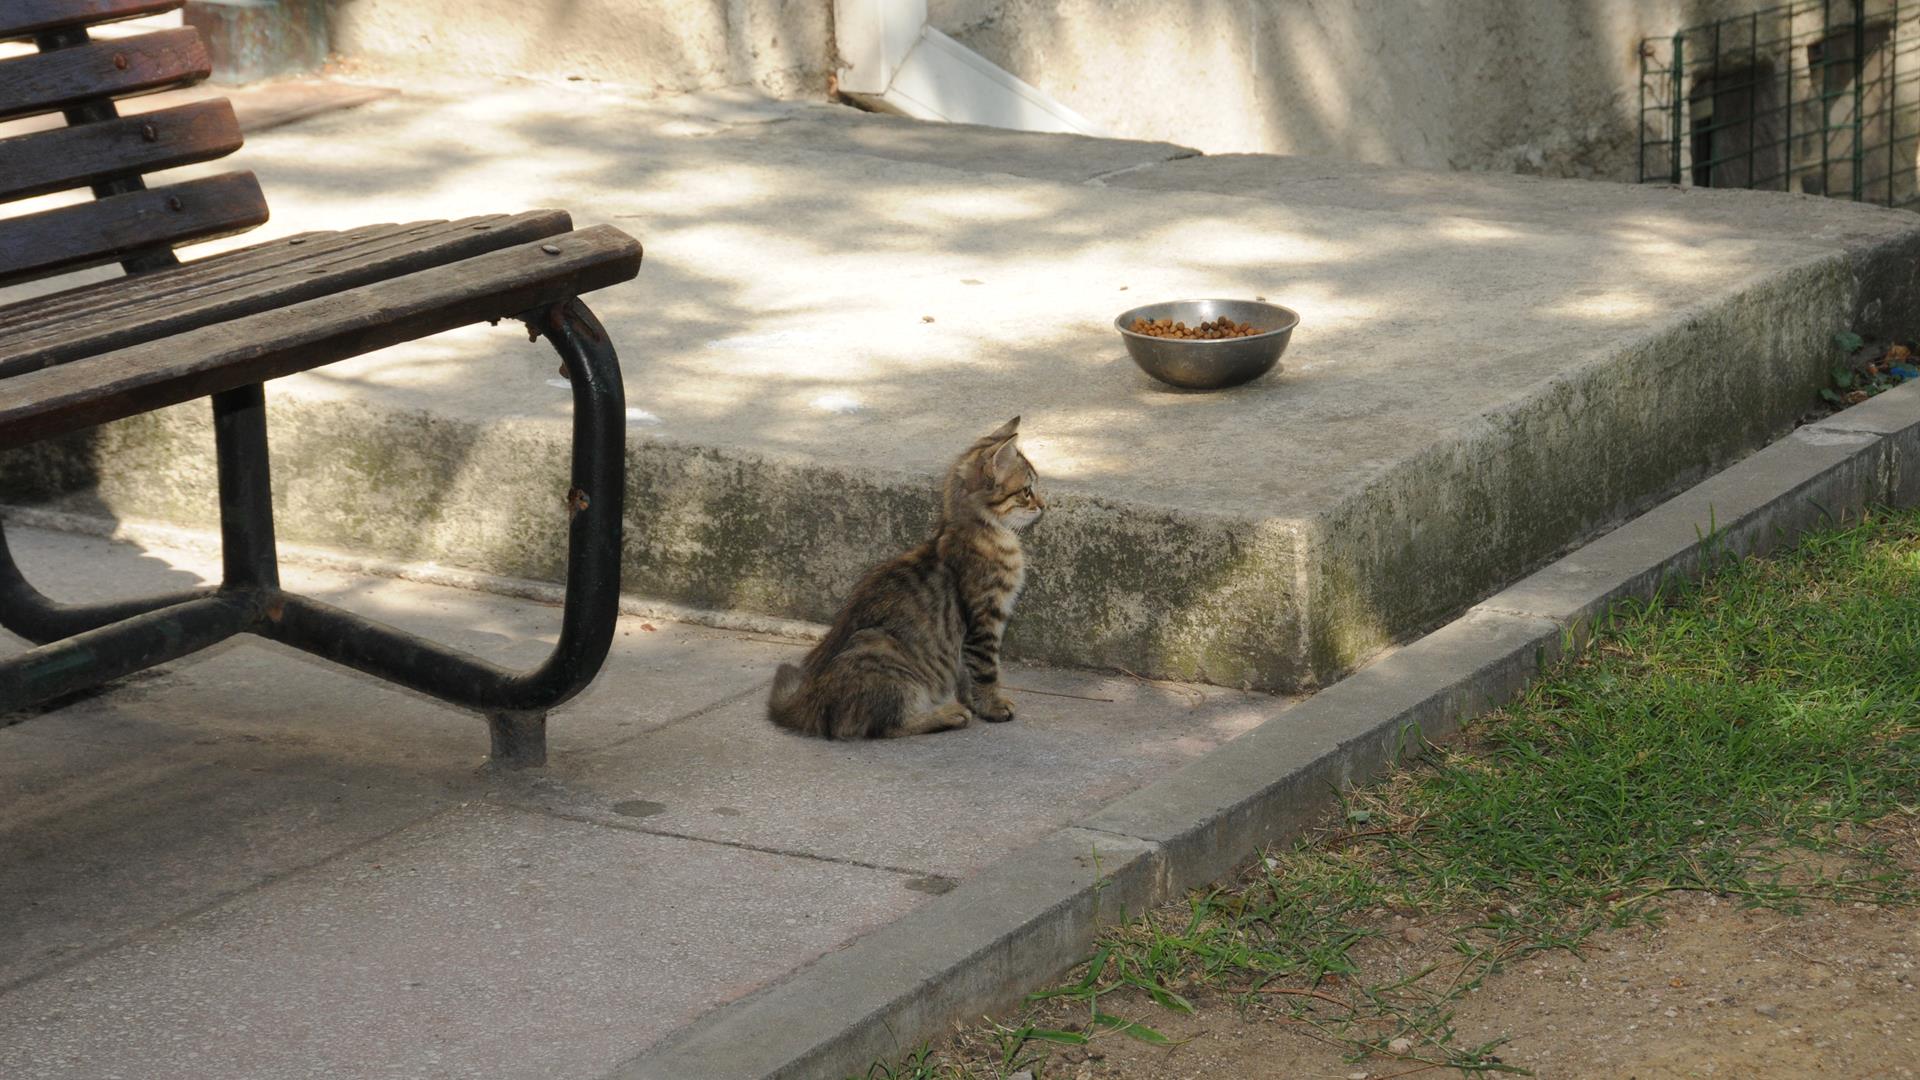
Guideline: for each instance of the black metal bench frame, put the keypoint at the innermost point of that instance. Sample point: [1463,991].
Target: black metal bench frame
[83,646]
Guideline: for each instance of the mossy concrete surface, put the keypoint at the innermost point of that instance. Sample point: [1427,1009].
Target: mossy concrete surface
[1488,369]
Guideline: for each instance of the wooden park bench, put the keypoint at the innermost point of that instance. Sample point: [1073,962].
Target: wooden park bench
[170,331]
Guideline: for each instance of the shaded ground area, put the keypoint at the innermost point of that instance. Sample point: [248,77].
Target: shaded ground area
[249,863]
[1690,852]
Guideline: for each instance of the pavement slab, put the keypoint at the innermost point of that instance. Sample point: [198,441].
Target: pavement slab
[943,807]
[705,896]
[100,836]
[251,863]
[427,953]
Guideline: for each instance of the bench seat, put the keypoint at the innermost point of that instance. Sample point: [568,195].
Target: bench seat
[97,354]
[221,327]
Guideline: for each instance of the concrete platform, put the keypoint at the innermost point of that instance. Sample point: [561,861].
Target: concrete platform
[252,864]
[1488,369]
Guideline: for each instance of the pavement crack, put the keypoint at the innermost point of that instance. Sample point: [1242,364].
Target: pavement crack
[764,849]
[1100,179]
[1117,834]
[710,707]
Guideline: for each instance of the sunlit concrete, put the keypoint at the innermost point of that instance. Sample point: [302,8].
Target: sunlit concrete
[832,304]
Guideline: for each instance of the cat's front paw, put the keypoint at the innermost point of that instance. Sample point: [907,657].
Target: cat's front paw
[993,707]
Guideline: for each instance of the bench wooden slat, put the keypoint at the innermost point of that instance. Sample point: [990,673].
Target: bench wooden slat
[23,315]
[249,264]
[105,230]
[274,343]
[51,81]
[73,157]
[25,18]
[242,266]
[117,320]
[382,248]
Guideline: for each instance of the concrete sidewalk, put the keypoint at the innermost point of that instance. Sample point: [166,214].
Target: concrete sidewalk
[251,864]
[1488,369]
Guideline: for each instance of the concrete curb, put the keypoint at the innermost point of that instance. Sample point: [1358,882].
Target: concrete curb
[966,953]
[1035,914]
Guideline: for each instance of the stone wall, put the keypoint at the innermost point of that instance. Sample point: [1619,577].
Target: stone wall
[1527,86]
[784,47]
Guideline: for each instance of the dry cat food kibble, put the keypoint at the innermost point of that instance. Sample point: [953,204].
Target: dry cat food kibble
[1221,327]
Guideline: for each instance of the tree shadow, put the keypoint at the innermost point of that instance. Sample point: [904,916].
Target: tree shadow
[827,314]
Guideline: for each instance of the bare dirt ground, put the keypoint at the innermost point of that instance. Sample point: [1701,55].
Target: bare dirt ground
[1713,992]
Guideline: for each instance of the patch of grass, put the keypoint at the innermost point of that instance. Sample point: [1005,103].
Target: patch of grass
[917,1066]
[1756,736]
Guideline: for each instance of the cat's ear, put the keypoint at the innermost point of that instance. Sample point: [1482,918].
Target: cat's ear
[1007,430]
[1005,458]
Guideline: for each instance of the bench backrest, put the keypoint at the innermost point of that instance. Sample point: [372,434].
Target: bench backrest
[80,78]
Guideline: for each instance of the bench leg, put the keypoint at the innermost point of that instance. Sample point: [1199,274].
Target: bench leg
[247,555]
[595,507]
[100,655]
[250,600]
[40,620]
[519,738]
[84,645]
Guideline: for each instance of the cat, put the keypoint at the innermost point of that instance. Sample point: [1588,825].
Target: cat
[916,649]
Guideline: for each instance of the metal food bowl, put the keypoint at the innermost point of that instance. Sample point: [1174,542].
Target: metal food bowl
[1209,365]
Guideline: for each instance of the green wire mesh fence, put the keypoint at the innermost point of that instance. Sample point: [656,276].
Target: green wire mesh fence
[1820,97]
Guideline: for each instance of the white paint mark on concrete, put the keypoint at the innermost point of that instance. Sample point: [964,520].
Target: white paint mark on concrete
[1816,436]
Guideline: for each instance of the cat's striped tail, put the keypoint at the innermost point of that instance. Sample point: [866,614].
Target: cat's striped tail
[785,702]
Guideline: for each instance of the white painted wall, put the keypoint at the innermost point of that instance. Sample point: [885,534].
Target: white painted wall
[891,59]
[784,47]
[1539,86]
[1533,86]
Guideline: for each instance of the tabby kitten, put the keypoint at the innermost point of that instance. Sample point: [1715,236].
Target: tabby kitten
[917,647]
